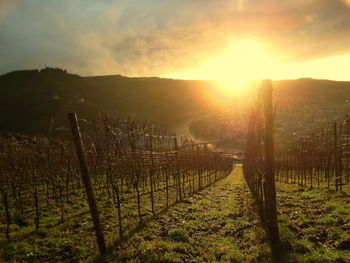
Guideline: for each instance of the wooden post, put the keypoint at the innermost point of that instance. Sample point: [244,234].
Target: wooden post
[270,164]
[337,161]
[198,162]
[115,189]
[151,173]
[178,178]
[37,212]
[8,217]
[87,182]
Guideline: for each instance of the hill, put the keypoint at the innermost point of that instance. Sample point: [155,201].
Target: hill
[305,105]
[32,101]
[37,101]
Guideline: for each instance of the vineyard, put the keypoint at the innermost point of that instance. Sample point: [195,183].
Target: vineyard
[302,225]
[136,169]
[136,192]
[322,160]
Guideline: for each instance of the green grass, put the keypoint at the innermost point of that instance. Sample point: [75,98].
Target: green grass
[314,224]
[73,239]
[218,224]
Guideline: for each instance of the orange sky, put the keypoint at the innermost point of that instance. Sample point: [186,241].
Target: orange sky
[196,39]
[246,60]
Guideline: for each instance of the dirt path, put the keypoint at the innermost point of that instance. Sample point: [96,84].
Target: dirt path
[216,225]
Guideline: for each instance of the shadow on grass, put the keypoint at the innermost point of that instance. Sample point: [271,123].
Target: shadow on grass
[140,226]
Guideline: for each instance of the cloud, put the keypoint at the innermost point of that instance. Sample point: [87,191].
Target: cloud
[157,37]
[6,7]
[347,2]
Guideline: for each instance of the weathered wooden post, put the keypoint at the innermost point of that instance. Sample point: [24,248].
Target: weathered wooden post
[7,213]
[270,164]
[177,161]
[151,173]
[87,182]
[337,159]
[198,162]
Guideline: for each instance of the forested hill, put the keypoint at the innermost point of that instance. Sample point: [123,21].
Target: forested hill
[32,100]
[37,101]
[305,88]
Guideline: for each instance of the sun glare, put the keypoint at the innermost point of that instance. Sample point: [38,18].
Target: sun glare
[238,64]
[245,61]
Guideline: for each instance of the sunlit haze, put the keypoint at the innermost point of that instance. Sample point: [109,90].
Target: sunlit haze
[239,63]
[244,61]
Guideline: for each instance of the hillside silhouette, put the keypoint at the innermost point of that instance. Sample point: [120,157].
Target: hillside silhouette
[37,101]
[34,99]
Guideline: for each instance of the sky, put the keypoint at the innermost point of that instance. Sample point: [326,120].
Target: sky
[192,39]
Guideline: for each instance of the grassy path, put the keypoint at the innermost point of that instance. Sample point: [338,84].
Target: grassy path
[215,225]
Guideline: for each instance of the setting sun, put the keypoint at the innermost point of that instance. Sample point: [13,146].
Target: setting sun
[238,64]
[245,61]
